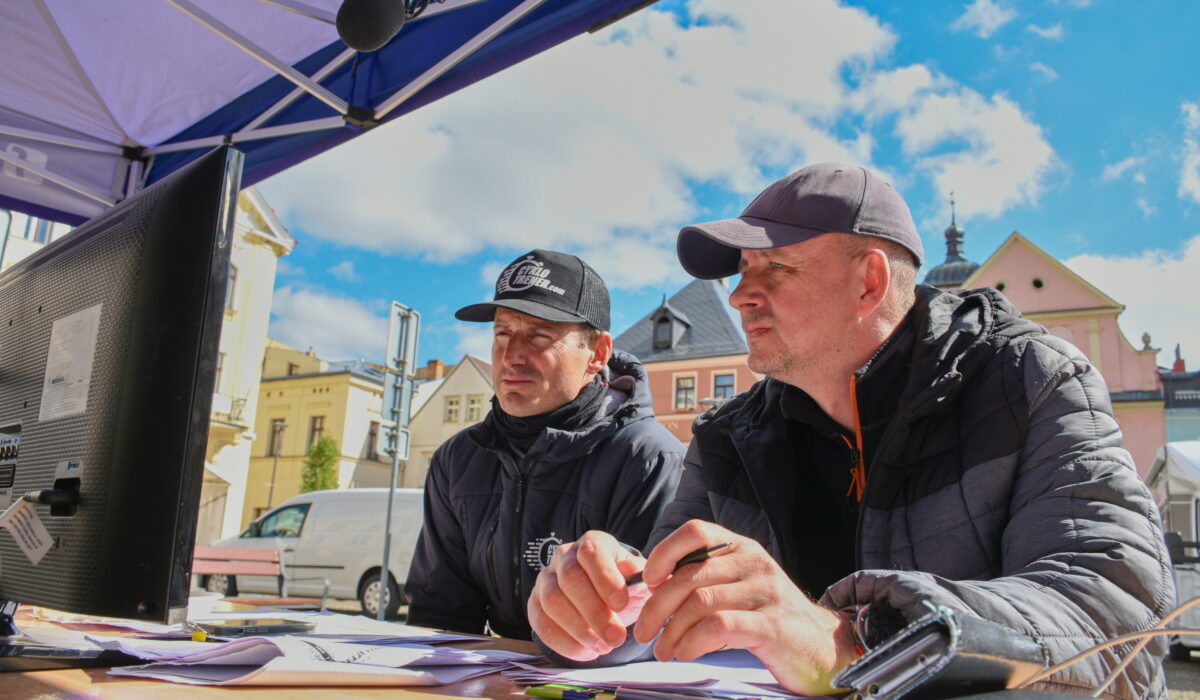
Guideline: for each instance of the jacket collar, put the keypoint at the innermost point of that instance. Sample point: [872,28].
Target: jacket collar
[628,401]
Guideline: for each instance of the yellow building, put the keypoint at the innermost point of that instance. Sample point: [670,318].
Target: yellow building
[303,397]
[259,241]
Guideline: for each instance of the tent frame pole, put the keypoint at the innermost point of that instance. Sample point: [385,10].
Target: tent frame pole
[252,135]
[295,94]
[262,55]
[57,179]
[455,57]
[81,144]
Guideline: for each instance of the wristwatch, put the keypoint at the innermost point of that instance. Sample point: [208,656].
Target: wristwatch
[872,624]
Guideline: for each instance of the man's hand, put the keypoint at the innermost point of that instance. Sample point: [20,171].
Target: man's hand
[740,598]
[580,604]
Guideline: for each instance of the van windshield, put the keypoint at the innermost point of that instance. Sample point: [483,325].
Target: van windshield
[285,522]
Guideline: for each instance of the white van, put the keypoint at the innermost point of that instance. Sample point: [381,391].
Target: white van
[336,535]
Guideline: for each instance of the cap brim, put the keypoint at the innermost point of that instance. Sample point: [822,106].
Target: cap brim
[712,250]
[486,312]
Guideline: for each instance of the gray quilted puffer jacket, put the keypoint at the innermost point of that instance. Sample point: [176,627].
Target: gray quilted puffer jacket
[999,488]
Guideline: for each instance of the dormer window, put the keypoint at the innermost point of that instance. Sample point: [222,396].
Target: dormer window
[662,333]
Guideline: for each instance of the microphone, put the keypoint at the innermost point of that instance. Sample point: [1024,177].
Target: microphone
[367,25]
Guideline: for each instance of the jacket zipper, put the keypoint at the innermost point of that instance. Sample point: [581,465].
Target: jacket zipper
[518,523]
[883,442]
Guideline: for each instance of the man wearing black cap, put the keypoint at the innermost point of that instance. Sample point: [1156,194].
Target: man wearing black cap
[910,447]
[570,445]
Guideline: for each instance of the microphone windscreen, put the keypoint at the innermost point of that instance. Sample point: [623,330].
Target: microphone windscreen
[366,25]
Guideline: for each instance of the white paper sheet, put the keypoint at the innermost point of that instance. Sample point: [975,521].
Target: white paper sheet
[304,672]
[69,364]
[297,660]
[22,522]
[733,673]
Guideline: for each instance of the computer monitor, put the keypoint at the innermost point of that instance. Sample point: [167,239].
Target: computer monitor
[108,358]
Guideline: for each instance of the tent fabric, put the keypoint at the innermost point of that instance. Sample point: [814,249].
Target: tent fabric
[1182,466]
[90,89]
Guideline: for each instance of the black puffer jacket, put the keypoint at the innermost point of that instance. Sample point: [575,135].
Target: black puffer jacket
[492,523]
[999,488]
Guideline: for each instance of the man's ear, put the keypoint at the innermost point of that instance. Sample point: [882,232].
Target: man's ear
[602,350]
[875,275]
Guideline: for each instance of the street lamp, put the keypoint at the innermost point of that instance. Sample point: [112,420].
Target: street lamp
[276,440]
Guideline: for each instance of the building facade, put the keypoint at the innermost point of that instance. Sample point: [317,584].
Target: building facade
[259,241]
[457,400]
[302,398]
[694,352]
[1181,396]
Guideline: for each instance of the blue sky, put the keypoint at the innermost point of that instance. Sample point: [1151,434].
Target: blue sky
[1075,122]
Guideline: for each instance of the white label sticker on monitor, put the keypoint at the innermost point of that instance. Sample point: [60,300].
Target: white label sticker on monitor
[22,521]
[69,364]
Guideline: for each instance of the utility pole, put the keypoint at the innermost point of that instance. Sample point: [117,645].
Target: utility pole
[404,328]
[276,443]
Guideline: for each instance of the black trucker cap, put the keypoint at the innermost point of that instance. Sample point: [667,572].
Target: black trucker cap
[547,285]
[821,198]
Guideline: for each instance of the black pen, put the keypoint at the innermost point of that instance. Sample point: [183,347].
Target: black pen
[693,558]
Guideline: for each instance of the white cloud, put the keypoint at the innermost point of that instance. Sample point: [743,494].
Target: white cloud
[473,339]
[1114,171]
[984,17]
[1005,161]
[1053,32]
[594,147]
[344,271]
[490,272]
[1144,205]
[1158,290]
[1189,169]
[338,328]
[1044,71]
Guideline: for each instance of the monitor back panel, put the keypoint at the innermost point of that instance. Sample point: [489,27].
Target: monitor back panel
[108,342]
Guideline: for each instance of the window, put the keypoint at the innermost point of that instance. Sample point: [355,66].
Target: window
[275,439]
[293,368]
[451,414]
[230,286]
[373,440]
[723,386]
[316,428]
[474,408]
[285,522]
[37,230]
[685,393]
[662,333]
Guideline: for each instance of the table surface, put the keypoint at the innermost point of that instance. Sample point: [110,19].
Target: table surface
[96,683]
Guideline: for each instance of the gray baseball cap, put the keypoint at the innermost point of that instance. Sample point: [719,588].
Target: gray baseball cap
[821,198]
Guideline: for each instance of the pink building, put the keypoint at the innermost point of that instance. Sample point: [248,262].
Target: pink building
[1072,308]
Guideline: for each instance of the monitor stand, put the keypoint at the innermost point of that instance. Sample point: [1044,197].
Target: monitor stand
[20,653]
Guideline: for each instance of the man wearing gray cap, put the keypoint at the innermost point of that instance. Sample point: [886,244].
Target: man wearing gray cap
[909,448]
[570,445]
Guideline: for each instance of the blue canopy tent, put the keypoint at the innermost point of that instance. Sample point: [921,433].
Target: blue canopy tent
[100,99]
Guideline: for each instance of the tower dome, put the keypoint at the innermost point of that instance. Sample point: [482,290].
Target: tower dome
[952,273]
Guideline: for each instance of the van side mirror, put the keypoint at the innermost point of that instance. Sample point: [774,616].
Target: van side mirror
[1177,548]
[255,529]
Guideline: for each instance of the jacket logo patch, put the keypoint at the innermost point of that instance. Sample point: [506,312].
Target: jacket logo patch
[524,274]
[539,552]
